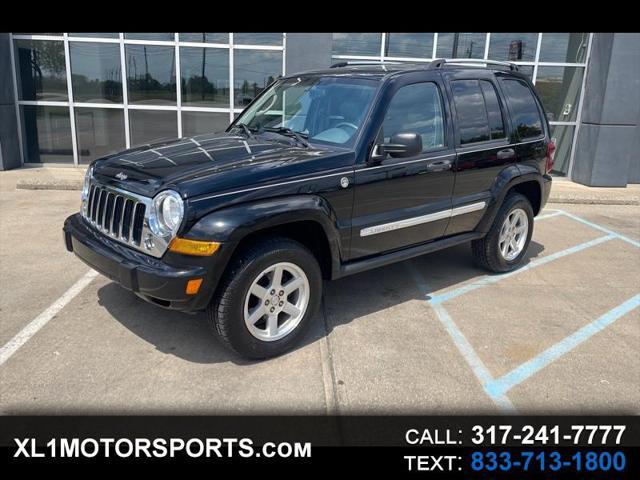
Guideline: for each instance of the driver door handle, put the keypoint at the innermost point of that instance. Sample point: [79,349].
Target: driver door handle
[439,166]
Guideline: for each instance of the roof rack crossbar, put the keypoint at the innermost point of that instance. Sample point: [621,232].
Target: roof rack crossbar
[441,62]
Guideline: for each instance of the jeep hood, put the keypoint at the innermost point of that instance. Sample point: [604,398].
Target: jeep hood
[205,163]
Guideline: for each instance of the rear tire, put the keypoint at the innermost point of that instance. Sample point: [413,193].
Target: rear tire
[266,299]
[505,246]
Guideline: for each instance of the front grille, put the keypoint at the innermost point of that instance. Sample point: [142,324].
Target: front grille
[116,214]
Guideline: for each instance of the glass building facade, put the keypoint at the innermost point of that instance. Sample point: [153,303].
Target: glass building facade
[555,62]
[83,95]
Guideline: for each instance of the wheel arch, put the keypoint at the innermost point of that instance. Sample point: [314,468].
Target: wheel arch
[308,219]
[511,179]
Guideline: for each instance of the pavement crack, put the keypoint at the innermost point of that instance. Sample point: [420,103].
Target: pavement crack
[332,400]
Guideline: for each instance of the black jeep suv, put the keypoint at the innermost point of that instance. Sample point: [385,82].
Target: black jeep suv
[325,174]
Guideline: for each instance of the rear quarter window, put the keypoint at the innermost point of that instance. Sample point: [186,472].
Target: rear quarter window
[525,114]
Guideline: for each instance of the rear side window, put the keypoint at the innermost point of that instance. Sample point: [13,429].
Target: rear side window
[473,122]
[478,111]
[526,116]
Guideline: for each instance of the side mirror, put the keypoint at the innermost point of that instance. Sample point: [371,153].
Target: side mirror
[405,144]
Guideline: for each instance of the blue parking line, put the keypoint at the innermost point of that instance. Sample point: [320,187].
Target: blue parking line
[490,279]
[529,368]
[464,347]
[496,389]
[601,228]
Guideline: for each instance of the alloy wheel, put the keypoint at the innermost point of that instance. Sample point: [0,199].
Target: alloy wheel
[513,234]
[276,301]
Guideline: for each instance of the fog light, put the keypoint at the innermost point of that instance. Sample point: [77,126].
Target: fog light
[193,247]
[193,286]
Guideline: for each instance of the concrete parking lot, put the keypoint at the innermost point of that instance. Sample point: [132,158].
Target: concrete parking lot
[430,335]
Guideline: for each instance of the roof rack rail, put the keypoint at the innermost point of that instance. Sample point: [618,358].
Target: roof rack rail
[363,62]
[440,62]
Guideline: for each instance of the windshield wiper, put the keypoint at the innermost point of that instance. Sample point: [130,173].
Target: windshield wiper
[300,137]
[245,129]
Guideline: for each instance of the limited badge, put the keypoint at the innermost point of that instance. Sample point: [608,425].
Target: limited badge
[344,182]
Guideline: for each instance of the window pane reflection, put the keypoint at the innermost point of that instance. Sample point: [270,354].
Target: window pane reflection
[47,134]
[559,89]
[196,123]
[461,45]
[99,131]
[149,126]
[357,43]
[513,47]
[253,71]
[564,138]
[169,37]
[41,69]
[151,74]
[564,47]
[205,37]
[95,72]
[257,39]
[205,76]
[38,33]
[95,35]
[409,45]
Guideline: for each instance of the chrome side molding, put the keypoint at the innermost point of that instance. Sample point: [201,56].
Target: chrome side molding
[431,217]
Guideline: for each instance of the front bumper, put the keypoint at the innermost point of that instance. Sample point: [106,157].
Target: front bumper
[158,281]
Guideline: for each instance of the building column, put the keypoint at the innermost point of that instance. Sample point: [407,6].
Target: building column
[9,146]
[608,141]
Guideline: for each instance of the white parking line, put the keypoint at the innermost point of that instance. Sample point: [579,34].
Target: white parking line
[41,320]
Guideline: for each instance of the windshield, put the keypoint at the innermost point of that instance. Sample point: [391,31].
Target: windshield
[322,109]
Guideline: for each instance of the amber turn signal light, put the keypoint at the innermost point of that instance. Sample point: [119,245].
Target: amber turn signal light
[193,247]
[193,286]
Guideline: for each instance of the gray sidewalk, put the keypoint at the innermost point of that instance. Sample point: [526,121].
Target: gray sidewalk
[563,191]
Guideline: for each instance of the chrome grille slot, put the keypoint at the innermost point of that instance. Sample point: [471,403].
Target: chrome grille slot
[138,220]
[108,212]
[101,203]
[94,203]
[92,191]
[123,216]
[126,219]
[116,222]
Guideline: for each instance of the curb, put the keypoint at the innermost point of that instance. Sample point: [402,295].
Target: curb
[49,185]
[593,201]
[576,200]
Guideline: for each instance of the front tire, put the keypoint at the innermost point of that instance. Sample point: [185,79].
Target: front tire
[267,298]
[505,246]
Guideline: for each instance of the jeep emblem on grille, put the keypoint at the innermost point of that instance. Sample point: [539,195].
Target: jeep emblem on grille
[122,176]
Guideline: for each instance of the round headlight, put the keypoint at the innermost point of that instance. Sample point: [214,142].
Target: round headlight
[168,210]
[87,183]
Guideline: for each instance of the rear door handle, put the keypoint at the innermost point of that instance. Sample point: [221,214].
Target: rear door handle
[439,165]
[506,154]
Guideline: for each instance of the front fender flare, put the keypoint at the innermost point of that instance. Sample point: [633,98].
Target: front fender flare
[232,224]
